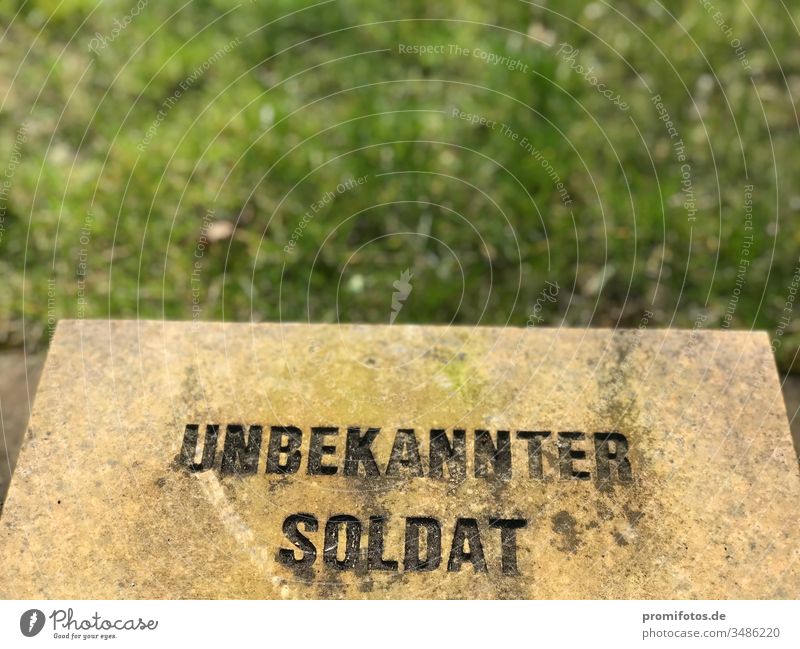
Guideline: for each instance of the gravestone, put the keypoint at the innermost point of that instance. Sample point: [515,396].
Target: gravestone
[177,460]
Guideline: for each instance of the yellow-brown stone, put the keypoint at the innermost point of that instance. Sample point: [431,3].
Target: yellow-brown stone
[596,464]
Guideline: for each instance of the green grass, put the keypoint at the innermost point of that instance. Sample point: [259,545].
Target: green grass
[309,96]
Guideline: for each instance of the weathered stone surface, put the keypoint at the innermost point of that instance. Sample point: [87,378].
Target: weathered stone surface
[703,503]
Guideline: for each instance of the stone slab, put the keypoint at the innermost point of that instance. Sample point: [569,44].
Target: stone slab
[668,470]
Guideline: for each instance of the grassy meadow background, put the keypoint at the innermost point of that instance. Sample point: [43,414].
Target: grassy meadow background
[161,169]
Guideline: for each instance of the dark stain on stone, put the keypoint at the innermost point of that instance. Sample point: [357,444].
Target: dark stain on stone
[604,511]
[605,487]
[565,526]
[278,483]
[620,409]
[551,459]
[365,581]
[303,574]
[192,390]
[508,589]
[361,564]
[632,515]
[439,354]
[332,588]
[619,539]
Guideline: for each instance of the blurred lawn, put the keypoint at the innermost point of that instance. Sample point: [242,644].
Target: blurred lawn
[309,96]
